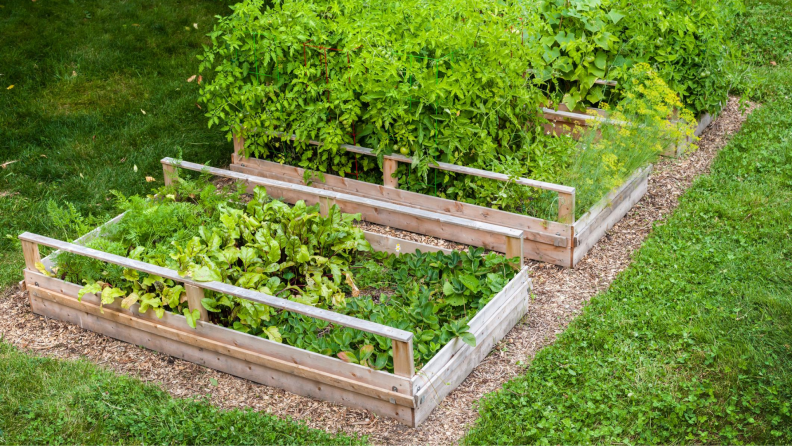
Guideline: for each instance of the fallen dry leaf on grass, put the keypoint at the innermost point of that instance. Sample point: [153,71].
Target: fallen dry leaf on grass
[191,78]
[200,78]
[195,25]
[43,155]
[150,179]
[5,164]
[196,104]
[10,87]
[143,111]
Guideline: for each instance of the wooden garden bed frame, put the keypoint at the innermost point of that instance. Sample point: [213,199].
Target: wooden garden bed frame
[563,121]
[405,395]
[562,243]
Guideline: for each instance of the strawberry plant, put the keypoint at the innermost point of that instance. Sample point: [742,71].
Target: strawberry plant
[291,252]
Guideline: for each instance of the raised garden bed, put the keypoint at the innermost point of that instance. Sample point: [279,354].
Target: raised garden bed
[405,395]
[562,121]
[563,242]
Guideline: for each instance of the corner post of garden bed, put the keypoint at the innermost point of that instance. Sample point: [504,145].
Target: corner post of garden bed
[169,173]
[403,360]
[31,252]
[194,296]
[514,248]
[566,207]
[389,167]
[239,147]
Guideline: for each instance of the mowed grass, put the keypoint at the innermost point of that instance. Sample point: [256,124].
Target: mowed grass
[47,401]
[83,74]
[693,342]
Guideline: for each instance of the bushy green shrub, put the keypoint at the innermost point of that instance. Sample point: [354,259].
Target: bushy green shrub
[685,41]
[456,81]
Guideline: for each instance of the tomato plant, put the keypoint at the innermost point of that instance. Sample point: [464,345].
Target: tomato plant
[456,81]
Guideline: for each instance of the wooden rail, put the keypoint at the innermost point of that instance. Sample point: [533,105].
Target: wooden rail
[402,340]
[566,194]
[463,230]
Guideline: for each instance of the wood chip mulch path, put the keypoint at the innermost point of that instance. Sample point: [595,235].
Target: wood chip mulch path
[560,296]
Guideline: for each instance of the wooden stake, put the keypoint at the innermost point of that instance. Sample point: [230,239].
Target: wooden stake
[514,248]
[239,147]
[325,204]
[388,170]
[403,363]
[32,256]
[194,296]
[169,173]
[566,208]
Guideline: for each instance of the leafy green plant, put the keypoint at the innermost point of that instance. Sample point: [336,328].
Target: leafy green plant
[292,252]
[459,82]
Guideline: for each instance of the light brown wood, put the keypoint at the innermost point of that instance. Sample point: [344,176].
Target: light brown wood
[403,363]
[477,325]
[255,296]
[325,204]
[566,208]
[191,338]
[546,241]
[229,364]
[543,231]
[169,173]
[452,168]
[393,245]
[514,248]
[607,212]
[432,389]
[389,167]
[239,145]
[194,297]
[398,216]
[31,252]
[224,335]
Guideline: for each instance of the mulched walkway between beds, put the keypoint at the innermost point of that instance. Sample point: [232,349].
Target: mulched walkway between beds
[560,294]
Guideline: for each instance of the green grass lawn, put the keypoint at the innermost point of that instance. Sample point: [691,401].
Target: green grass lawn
[693,342]
[47,401]
[83,73]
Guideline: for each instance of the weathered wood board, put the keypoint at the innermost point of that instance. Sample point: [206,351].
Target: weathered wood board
[299,371]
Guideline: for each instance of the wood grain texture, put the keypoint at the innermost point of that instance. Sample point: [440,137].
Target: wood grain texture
[453,168]
[230,364]
[257,344]
[389,179]
[535,229]
[194,297]
[403,362]
[255,296]
[290,190]
[477,325]
[122,319]
[609,211]
[459,366]
[30,251]
[169,174]
[393,245]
